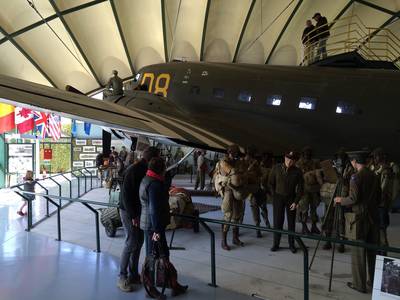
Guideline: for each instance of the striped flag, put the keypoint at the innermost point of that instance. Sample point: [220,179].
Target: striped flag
[7,117]
[41,119]
[54,126]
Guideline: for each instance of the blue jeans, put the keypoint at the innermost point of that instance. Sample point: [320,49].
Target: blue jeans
[321,50]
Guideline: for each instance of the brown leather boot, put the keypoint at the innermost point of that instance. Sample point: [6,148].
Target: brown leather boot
[224,244]
[235,237]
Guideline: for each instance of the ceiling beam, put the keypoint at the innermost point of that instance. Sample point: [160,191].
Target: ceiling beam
[342,12]
[246,21]
[164,28]
[283,30]
[122,36]
[50,18]
[75,40]
[27,56]
[377,7]
[203,36]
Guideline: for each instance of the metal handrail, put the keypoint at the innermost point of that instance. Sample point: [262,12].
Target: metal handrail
[21,193]
[204,221]
[358,38]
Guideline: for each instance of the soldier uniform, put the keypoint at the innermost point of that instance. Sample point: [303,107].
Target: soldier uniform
[385,176]
[311,198]
[286,185]
[229,182]
[363,195]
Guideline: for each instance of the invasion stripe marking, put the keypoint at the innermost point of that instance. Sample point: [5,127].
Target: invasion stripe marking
[199,136]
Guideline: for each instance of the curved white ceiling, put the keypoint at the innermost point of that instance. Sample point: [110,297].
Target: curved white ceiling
[79,42]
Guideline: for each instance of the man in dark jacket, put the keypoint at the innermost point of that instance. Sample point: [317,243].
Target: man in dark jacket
[308,41]
[321,35]
[130,210]
[286,185]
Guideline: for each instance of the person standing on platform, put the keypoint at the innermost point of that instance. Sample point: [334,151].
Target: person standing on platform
[364,200]
[130,209]
[321,35]
[308,40]
[286,185]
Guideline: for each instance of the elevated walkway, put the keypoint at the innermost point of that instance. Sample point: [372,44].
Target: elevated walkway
[353,44]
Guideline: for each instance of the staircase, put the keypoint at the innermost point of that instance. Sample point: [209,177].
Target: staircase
[352,44]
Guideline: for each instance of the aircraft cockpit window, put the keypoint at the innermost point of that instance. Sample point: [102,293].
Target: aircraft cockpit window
[245,96]
[345,108]
[274,100]
[307,103]
[218,93]
[195,90]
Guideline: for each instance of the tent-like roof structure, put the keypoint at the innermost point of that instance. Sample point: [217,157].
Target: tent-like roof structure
[79,42]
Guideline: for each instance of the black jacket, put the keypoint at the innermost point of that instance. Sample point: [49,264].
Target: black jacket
[129,199]
[322,31]
[308,37]
[155,207]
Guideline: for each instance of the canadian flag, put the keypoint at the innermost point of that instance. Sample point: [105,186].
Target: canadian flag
[24,119]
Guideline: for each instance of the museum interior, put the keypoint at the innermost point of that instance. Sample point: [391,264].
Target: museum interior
[199,149]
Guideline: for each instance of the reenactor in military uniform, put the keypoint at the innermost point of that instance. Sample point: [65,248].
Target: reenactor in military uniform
[311,198]
[230,182]
[286,185]
[114,86]
[258,200]
[385,174]
[362,223]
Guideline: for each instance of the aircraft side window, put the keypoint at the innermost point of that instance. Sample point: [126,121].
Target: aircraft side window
[218,93]
[274,100]
[245,96]
[345,108]
[307,103]
[195,90]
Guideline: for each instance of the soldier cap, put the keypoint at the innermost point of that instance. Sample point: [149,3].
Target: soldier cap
[359,156]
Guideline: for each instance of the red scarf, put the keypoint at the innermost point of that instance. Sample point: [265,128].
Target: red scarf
[153,174]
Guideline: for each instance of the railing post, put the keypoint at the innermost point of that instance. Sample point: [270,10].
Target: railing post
[91,178]
[79,183]
[98,250]
[212,246]
[58,217]
[85,179]
[305,267]
[47,201]
[59,188]
[70,185]
[29,224]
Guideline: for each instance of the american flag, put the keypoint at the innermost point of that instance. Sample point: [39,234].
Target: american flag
[40,123]
[54,126]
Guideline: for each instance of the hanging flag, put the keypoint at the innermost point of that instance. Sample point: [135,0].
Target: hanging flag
[7,117]
[24,119]
[54,126]
[41,119]
[86,127]
[73,128]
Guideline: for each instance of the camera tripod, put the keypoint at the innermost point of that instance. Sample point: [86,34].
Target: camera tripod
[335,229]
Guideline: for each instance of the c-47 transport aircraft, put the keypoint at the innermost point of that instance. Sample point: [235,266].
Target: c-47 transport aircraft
[212,105]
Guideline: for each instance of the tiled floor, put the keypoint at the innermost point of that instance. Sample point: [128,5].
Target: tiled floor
[252,269]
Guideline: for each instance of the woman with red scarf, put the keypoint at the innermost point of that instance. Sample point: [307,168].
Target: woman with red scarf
[155,215]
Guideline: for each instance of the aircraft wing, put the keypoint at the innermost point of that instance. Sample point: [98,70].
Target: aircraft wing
[156,116]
